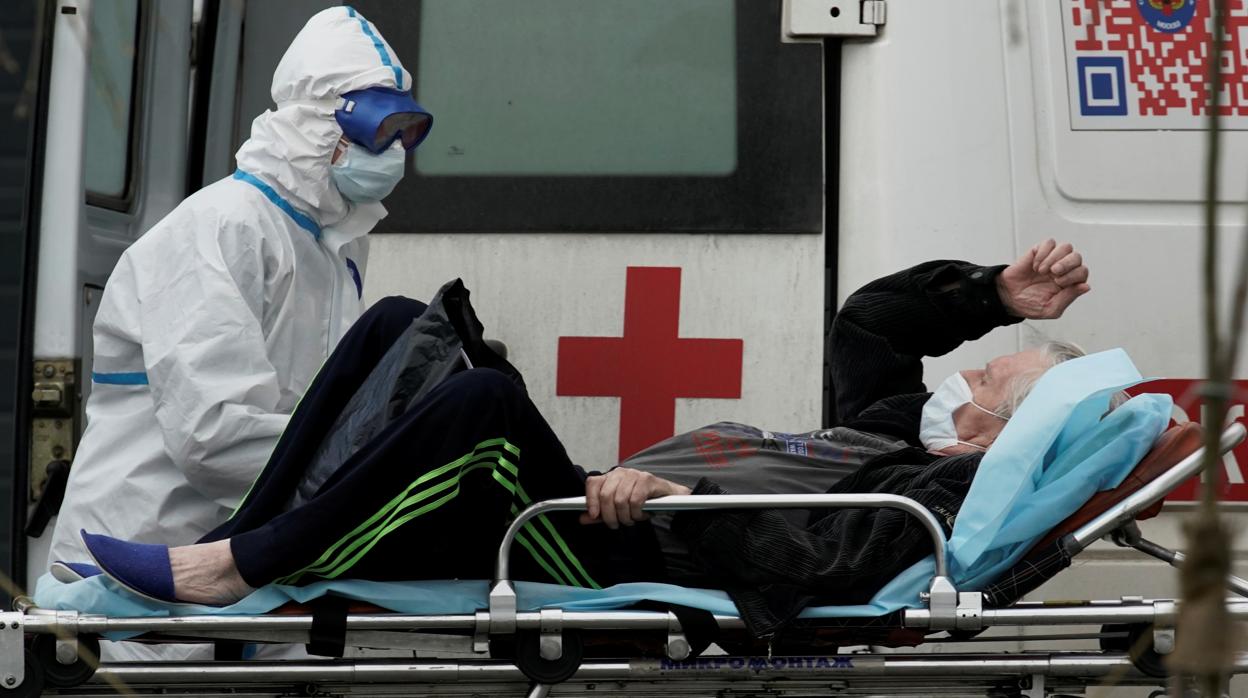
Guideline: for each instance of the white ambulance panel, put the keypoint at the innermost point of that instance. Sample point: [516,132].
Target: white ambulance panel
[760,293]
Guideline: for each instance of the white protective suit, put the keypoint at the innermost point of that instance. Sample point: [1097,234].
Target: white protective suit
[215,322]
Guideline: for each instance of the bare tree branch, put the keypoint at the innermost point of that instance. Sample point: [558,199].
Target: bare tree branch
[1205,647]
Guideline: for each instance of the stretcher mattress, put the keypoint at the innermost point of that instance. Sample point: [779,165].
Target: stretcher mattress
[1053,455]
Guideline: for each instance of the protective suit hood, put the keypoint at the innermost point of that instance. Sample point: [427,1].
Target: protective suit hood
[290,148]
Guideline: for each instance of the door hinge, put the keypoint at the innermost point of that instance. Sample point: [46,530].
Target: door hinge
[54,418]
[810,19]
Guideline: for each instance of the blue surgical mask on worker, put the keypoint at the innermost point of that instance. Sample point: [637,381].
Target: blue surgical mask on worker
[937,429]
[362,176]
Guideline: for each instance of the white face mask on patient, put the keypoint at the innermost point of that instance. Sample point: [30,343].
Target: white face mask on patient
[937,430]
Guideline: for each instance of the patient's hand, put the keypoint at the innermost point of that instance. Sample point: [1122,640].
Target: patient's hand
[1044,281]
[616,498]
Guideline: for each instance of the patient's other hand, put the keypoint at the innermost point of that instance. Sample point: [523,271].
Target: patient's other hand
[1044,281]
[616,498]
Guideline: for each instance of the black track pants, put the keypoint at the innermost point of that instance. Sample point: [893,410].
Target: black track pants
[431,495]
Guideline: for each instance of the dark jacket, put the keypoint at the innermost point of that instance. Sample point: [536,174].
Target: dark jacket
[773,569]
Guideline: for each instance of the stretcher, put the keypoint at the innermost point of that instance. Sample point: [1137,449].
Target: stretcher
[652,643]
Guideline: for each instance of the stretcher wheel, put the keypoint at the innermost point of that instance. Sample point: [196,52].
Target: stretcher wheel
[1138,644]
[60,675]
[1144,655]
[547,671]
[32,685]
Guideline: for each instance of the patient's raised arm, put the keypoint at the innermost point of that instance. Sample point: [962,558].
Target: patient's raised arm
[883,331]
[1043,282]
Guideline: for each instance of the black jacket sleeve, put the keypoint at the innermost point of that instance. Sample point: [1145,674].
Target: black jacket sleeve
[880,335]
[773,569]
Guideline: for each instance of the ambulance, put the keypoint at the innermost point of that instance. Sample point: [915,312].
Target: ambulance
[657,204]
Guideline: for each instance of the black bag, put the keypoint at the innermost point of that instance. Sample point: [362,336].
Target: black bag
[445,339]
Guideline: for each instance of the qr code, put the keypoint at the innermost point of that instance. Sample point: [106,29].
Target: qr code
[1146,60]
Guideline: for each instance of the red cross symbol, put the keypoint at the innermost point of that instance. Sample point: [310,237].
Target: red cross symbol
[650,366]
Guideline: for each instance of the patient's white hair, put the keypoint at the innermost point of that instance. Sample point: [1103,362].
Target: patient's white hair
[1055,352]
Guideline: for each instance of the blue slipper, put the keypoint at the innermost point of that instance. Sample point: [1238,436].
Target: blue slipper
[70,572]
[139,567]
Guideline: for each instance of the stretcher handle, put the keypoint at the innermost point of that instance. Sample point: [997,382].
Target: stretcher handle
[502,569]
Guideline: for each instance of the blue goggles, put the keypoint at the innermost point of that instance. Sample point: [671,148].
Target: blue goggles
[376,117]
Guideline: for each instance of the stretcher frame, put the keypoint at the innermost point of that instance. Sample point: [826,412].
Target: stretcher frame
[545,652]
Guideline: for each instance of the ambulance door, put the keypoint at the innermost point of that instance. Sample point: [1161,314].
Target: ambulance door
[1115,158]
[23,72]
[114,163]
[1080,120]
[635,194]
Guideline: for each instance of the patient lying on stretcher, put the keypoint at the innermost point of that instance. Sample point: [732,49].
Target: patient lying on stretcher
[429,494]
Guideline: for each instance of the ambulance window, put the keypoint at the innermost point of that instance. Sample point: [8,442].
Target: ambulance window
[644,95]
[114,31]
[579,115]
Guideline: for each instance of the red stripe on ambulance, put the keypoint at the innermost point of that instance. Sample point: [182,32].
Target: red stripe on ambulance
[1189,407]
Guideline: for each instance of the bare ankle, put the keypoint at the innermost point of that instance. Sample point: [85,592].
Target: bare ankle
[206,573]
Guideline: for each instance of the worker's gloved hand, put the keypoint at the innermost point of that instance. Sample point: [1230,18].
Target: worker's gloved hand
[1044,281]
[616,498]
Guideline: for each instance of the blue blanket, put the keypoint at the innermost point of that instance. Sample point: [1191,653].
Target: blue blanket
[1055,453]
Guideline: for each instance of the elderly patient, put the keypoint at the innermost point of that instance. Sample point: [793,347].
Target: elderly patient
[431,494]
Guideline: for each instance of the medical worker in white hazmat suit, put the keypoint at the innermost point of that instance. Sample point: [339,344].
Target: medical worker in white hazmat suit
[214,323]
